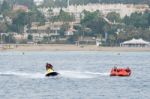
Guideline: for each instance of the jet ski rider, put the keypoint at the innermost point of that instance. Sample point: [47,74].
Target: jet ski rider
[49,68]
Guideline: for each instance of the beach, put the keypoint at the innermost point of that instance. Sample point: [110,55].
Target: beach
[67,47]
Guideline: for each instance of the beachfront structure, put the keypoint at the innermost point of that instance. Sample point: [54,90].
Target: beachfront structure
[86,40]
[98,42]
[38,2]
[135,43]
[122,9]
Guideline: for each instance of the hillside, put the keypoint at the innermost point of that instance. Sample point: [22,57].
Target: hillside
[64,2]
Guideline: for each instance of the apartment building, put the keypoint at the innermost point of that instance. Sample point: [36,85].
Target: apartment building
[122,9]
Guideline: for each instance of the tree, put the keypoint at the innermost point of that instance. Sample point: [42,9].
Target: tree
[5,7]
[148,18]
[30,37]
[113,17]
[111,40]
[19,22]
[126,20]
[3,28]
[64,17]
[64,28]
[9,38]
[94,21]
[40,17]
[71,40]
[139,20]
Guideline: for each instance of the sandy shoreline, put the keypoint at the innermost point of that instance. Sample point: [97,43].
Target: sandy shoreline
[65,47]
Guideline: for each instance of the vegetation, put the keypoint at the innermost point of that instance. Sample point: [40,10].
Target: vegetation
[63,29]
[93,24]
[134,26]
[93,21]
[63,17]
[19,18]
[30,37]
[8,38]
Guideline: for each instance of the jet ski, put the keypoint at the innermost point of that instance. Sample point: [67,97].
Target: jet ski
[51,72]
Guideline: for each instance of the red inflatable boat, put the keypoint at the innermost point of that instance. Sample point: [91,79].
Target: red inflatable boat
[120,72]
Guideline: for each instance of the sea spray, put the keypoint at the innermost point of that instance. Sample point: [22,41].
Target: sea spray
[82,75]
[22,74]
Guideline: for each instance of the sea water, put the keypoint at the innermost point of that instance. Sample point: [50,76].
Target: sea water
[83,75]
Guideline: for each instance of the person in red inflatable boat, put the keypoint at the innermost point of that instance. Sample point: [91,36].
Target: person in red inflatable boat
[120,71]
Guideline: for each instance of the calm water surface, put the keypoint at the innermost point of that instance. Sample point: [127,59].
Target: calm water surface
[83,75]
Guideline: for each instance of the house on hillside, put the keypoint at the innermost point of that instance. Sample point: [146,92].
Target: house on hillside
[70,32]
[20,36]
[5,19]
[20,7]
[49,30]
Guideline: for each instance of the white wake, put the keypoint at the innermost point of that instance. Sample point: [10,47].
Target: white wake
[22,74]
[63,73]
[81,74]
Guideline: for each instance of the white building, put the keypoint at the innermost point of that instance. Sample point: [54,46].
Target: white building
[122,9]
[135,43]
[38,2]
